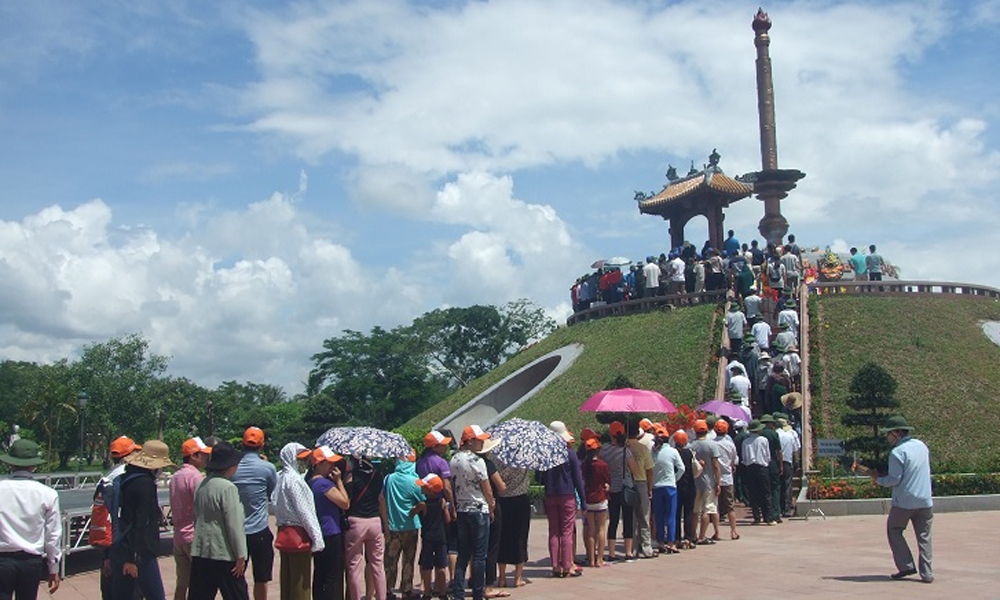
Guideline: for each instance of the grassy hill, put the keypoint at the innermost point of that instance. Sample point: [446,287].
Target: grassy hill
[670,352]
[947,369]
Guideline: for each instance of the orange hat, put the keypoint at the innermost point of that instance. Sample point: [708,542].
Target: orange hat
[436,438]
[474,432]
[660,431]
[123,446]
[592,443]
[411,457]
[721,427]
[253,437]
[680,438]
[616,428]
[303,454]
[431,484]
[194,446]
[324,453]
[646,425]
[589,433]
[701,426]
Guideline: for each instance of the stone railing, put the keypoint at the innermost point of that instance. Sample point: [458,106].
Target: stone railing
[641,305]
[895,287]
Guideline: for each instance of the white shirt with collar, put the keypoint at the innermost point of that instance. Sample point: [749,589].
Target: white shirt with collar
[30,518]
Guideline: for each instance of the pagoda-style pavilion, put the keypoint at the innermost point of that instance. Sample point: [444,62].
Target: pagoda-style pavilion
[706,192]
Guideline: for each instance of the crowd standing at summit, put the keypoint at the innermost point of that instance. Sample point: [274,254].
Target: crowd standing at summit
[686,270]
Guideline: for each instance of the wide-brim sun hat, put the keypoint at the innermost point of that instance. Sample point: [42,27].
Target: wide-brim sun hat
[755,426]
[154,455]
[894,423]
[22,453]
[792,400]
[488,445]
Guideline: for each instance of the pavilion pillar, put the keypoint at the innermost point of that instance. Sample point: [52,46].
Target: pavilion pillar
[716,221]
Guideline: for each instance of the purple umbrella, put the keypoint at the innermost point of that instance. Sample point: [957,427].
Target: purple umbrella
[724,408]
[628,400]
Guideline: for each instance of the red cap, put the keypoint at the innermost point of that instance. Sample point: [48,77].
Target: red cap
[721,427]
[253,437]
[436,438]
[701,426]
[616,428]
[194,446]
[680,438]
[588,434]
[474,432]
[646,425]
[660,431]
[432,484]
[123,446]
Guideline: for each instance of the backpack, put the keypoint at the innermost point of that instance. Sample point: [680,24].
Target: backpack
[100,520]
[774,272]
[114,502]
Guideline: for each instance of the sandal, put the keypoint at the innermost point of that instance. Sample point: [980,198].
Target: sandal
[735,536]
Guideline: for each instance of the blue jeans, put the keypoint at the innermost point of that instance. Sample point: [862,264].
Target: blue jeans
[665,513]
[473,540]
[149,582]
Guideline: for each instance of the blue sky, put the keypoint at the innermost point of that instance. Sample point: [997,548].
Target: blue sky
[238,181]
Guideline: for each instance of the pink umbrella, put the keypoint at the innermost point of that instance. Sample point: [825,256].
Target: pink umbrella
[628,400]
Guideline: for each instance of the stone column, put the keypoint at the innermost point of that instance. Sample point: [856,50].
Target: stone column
[772,184]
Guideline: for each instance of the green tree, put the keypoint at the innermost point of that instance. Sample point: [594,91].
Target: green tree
[872,395]
[379,379]
[50,409]
[466,343]
[121,378]
[15,387]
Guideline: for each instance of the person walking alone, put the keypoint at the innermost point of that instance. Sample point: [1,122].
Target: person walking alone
[909,477]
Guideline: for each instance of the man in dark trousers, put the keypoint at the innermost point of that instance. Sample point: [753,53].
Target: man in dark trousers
[31,526]
[774,466]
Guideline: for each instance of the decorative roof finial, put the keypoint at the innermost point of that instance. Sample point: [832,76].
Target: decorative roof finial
[761,22]
[713,158]
[672,173]
[693,170]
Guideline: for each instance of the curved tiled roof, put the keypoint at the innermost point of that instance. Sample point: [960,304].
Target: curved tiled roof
[709,183]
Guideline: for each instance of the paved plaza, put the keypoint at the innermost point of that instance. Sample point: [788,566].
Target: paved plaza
[841,557]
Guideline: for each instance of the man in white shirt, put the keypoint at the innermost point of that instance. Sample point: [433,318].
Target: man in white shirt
[739,389]
[736,322]
[785,339]
[790,445]
[652,273]
[762,333]
[752,304]
[676,267]
[31,526]
[790,315]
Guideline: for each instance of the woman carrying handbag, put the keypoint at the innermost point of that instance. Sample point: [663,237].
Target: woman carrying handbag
[299,533]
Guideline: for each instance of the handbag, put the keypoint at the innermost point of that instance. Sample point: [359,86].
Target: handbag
[630,493]
[293,539]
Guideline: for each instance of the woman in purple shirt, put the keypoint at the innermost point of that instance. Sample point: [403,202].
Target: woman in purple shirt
[562,486]
[331,498]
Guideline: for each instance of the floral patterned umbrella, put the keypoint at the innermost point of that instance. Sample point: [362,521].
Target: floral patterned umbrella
[365,441]
[528,445]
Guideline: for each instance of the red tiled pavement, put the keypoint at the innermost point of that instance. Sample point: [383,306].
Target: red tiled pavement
[842,557]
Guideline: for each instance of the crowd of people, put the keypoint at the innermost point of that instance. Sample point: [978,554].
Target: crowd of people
[686,270]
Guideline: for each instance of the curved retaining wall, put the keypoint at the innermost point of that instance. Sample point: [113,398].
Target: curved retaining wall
[503,397]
